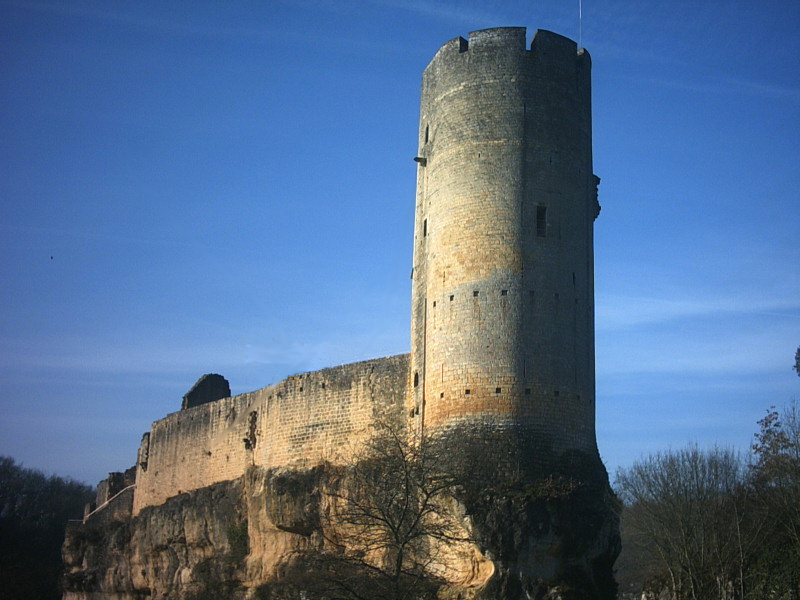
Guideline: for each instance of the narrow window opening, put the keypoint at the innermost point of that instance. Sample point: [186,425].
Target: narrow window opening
[434,304]
[573,279]
[323,385]
[301,388]
[451,298]
[504,292]
[441,394]
[426,133]
[475,294]
[416,379]
[466,392]
[541,221]
[498,390]
[425,228]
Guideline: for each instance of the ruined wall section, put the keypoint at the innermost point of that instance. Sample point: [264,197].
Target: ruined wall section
[327,414]
[296,423]
[191,449]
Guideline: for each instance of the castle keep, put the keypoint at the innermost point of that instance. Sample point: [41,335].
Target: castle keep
[502,322]
[503,293]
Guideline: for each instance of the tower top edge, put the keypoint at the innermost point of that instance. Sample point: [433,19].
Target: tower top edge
[508,38]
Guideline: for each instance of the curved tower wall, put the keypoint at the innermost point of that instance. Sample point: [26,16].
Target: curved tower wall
[503,291]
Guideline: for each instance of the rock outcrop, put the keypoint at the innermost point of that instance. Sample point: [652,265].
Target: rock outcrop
[240,539]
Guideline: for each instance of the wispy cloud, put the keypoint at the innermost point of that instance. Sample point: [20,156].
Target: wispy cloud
[734,345]
[729,85]
[446,11]
[618,311]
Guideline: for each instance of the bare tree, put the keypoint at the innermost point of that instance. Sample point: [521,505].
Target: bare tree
[706,525]
[387,516]
[684,512]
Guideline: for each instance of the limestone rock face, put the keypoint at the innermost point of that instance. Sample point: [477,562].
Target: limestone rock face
[233,539]
[216,542]
[167,551]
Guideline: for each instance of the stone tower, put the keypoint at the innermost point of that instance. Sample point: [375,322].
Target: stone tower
[503,290]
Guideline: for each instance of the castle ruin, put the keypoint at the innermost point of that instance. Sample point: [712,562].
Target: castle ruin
[502,323]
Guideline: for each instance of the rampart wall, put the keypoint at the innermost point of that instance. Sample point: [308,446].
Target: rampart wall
[298,422]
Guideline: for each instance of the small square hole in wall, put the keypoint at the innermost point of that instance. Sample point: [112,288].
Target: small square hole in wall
[466,392]
[441,394]
[434,304]
[451,298]
[475,294]
[301,388]
[527,391]
[323,385]
[498,390]
[504,292]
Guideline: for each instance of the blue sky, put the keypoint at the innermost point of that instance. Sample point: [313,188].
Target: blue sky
[229,187]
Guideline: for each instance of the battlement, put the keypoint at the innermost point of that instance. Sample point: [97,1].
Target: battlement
[544,44]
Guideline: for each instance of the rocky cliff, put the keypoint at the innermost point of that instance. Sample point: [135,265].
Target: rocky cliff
[268,533]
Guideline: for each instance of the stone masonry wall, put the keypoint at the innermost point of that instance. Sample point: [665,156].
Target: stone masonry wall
[295,423]
[502,292]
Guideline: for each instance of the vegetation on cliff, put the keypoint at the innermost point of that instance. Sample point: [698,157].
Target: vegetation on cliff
[389,514]
[469,514]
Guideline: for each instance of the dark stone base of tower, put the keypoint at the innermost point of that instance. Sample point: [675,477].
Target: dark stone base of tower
[548,522]
[251,497]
